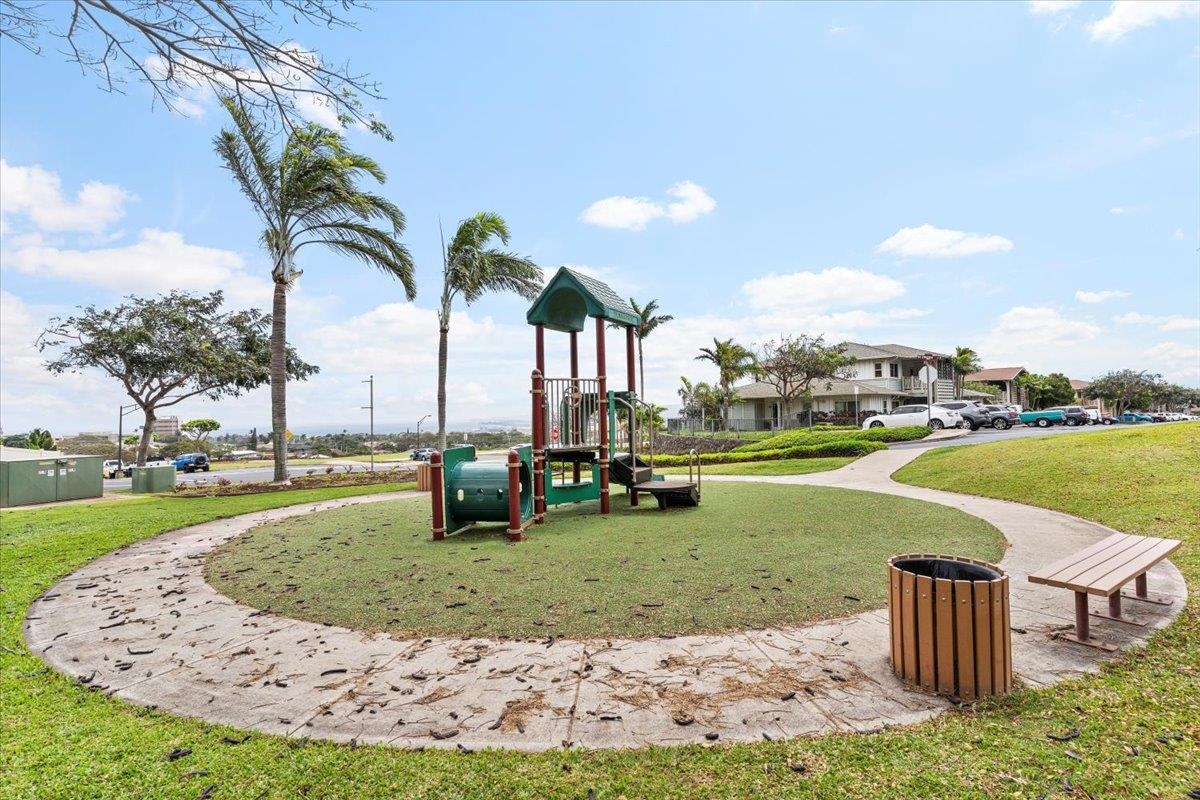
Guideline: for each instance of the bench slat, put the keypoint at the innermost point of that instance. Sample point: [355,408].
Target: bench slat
[1121,574]
[1096,567]
[1083,562]
[1050,570]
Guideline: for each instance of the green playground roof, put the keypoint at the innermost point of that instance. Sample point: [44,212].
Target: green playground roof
[571,297]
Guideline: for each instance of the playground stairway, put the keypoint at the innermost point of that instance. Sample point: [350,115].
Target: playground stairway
[629,470]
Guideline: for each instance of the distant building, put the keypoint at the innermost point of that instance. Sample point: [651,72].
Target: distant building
[1004,379]
[166,426]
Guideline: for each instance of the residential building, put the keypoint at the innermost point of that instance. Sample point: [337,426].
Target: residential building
[1004,379]
[885,375]
[166,426]
[1079,387]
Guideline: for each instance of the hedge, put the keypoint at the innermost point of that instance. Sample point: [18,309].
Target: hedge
[801,436]
[845,447]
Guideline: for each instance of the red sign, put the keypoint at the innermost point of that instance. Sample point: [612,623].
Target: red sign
[554,434]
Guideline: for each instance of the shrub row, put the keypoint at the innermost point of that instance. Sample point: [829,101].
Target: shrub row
[799,437]
[844,447]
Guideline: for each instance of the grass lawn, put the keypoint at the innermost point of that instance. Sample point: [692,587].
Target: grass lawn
[1138,720]
[751,556]
[783,466]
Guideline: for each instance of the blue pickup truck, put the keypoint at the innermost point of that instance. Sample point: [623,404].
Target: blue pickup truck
[1043,419]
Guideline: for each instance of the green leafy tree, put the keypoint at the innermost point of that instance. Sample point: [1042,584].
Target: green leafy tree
[1125,389]
[40,439]
[794,363]
[733,362]
[964,361]
[168,348]
[471,268]
[199,430]
[1045,391]
[20,440]
[309,194]
[648,322]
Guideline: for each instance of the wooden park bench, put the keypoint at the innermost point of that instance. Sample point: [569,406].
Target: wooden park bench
[1103,569]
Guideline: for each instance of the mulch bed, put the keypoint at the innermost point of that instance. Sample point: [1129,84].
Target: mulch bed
[215,487]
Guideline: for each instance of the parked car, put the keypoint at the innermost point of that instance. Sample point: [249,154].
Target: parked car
[920,414]
[1135,416]
[1107,419]
[422,453]
[1158,416]
[1043,419]
[1003,417]
[116,469]
[192,462]
[1073,415]
[974,416]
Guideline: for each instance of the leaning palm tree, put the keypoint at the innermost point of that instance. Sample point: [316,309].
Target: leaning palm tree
[965,361]
[648,322]
[308,194]
[733,361]
[471,268]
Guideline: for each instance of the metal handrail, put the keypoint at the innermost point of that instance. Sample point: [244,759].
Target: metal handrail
[694,456]
[634,435]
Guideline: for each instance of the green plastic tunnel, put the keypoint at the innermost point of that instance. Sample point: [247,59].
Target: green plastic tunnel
[478,492]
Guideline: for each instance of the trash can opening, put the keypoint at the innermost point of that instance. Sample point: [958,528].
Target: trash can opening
[946,569]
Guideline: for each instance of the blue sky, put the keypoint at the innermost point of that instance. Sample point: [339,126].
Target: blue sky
[1020,178]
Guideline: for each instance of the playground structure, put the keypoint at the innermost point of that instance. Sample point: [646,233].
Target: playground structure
[578,424]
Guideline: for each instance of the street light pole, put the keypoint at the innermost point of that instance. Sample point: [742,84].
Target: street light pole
[371,443]
[121,430]
[422,419]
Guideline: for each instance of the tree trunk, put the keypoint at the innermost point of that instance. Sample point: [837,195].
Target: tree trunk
[443,355]
[147,435]
[279,380]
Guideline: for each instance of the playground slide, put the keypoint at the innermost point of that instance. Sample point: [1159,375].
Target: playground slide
[627,471]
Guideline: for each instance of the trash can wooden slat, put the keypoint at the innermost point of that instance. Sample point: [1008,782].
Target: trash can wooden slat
[949,624]
[424,477]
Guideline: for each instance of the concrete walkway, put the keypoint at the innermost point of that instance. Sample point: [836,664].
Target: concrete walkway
[142,624]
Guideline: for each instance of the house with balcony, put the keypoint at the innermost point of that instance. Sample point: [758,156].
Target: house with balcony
[882,378]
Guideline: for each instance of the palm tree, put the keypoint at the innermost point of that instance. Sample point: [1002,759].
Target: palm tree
[309,194]
[648,321]
[472,269]
[732,362]
[965,361]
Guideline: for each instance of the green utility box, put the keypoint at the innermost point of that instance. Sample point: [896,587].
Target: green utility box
[152,480]
[37,476]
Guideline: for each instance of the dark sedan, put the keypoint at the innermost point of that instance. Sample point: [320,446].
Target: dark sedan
[974,416]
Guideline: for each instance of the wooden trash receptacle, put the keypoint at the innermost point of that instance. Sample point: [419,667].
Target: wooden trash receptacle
[949,621]
[424,477]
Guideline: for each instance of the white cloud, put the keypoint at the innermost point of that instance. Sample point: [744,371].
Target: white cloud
[1126,16]
[1040,338]
[158,262]
[1174,358]
[690,203]
[37,194]
[1167,324]
[926,240]
[1045,7]
[829,288]
[1084,296]
[1118,210]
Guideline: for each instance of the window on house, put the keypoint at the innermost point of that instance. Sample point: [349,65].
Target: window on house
[843,406]
[894,369]
[878,369]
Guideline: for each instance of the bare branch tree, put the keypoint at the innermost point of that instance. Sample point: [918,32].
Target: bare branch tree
[182,48]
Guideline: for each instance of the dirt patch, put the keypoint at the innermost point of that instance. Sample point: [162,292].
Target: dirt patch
[223,487]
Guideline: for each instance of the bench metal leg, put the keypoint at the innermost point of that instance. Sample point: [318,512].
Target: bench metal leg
[1114,611]
[1142,595]
[1082,634]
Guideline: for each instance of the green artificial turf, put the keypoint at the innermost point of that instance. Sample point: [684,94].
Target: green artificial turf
[783,466]
[750,556]
[1137,722]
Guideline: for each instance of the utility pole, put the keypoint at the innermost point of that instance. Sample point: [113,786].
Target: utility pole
[371,443]
[121,433]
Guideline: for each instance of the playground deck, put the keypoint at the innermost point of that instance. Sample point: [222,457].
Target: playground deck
[676,492]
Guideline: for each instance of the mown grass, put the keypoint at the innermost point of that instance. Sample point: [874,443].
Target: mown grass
[784,466]
[802,436]
[1137,720]
[750,556]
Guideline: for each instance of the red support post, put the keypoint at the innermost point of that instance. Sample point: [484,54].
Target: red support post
[514,497]
[539,452]
[602,390]
[576,421]
[437,484]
